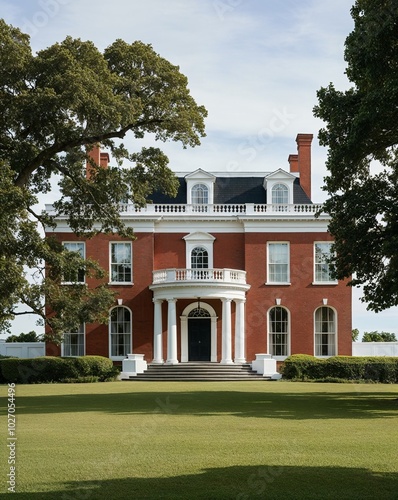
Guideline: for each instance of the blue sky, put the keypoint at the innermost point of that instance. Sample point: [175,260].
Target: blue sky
[256,65]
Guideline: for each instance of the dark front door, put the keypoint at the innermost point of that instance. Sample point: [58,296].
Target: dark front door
[199,334]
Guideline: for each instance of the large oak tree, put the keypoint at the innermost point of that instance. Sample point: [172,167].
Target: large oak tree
[56,105]
[361,133]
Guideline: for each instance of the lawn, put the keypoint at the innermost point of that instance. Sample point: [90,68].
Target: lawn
[237,440]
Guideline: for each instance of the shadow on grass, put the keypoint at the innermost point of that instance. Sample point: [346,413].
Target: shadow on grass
[238,482]
[286,405]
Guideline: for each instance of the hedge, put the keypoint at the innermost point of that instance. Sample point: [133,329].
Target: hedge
[47,369]
[374,369]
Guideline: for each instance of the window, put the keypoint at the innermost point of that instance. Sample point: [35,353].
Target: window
[121,263]
[280,194]
[278,322]
[323,270]
[73,344]
[278,263]
[78,275]
[200,194]
[325,332]
[120,332]
[199,258]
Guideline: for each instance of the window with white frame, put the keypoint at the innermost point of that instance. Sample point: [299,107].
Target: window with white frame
[73,342]
[200,194]
[121,262]
[78,275]
[325,332]
[120,332]
[199,258]
[278,263]
[323,269]
[280,194]
[278,324]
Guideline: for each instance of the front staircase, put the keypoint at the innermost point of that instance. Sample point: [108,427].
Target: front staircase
[198,372]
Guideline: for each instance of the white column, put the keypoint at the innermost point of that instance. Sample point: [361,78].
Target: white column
[240,331]
[226,332]
[172,333]
[157,332]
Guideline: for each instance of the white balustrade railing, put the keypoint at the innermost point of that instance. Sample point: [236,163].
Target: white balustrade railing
[199,275]
[222,209]
[227,209]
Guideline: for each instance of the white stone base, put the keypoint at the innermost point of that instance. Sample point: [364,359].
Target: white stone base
[132,366]
[265,365]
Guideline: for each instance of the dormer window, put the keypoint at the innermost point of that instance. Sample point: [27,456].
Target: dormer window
[280,194]
[200,194]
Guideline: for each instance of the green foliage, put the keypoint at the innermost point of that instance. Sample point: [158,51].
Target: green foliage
[25,337]
[56,106]
[379,337]
[48,369]
[370,369]
[355,334]
[362,136]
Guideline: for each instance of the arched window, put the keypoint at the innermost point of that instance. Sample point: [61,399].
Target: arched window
[200,194]
[120,332]
[199,258]
[280,194]
[278,321]
[325,332]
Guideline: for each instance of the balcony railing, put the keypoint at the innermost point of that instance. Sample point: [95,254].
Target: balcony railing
[224,209]
[231,276]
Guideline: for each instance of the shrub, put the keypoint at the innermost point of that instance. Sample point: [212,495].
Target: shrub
[55,369]
[348,368]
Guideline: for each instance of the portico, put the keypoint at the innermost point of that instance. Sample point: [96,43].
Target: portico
[228,286]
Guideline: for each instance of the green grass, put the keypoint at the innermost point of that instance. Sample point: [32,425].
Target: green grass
[240,440]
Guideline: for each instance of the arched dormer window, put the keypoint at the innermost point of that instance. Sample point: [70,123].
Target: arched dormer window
[280,194]
[200,194]
[199,258]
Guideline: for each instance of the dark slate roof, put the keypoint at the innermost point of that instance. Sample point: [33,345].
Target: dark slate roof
[233,190]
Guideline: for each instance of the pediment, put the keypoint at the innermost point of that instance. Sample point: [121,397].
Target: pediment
[200,174]
[199,236]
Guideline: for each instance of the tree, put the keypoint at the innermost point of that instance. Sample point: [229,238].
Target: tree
[56,106]
[355,334]
[378,337]
[25,337]
[361,133]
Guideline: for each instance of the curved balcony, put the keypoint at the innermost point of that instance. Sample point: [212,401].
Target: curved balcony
[197,276]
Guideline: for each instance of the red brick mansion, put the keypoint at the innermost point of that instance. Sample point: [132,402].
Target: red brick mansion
[234,266]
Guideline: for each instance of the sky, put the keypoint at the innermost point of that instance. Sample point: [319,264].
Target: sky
[256,66]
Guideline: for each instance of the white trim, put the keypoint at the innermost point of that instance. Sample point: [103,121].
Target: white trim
[115,283]
[198,239]
[330,282]
[268,282]
[336,345]
[269,333]
[119,358]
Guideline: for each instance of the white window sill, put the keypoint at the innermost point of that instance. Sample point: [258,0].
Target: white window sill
[120,283]
[328,283]
[73,283]
[277,283]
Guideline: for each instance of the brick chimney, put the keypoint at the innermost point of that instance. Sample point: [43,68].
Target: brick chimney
[101,159]
[301,162]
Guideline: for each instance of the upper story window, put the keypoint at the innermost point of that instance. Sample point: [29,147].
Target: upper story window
[322,266]
[199,258]
[78,275]
[278,263]
[200,194]
[280,194]
[121,262]
[325,332]
[73,342]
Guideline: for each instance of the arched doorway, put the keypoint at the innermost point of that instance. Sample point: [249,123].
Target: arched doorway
[199,335]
